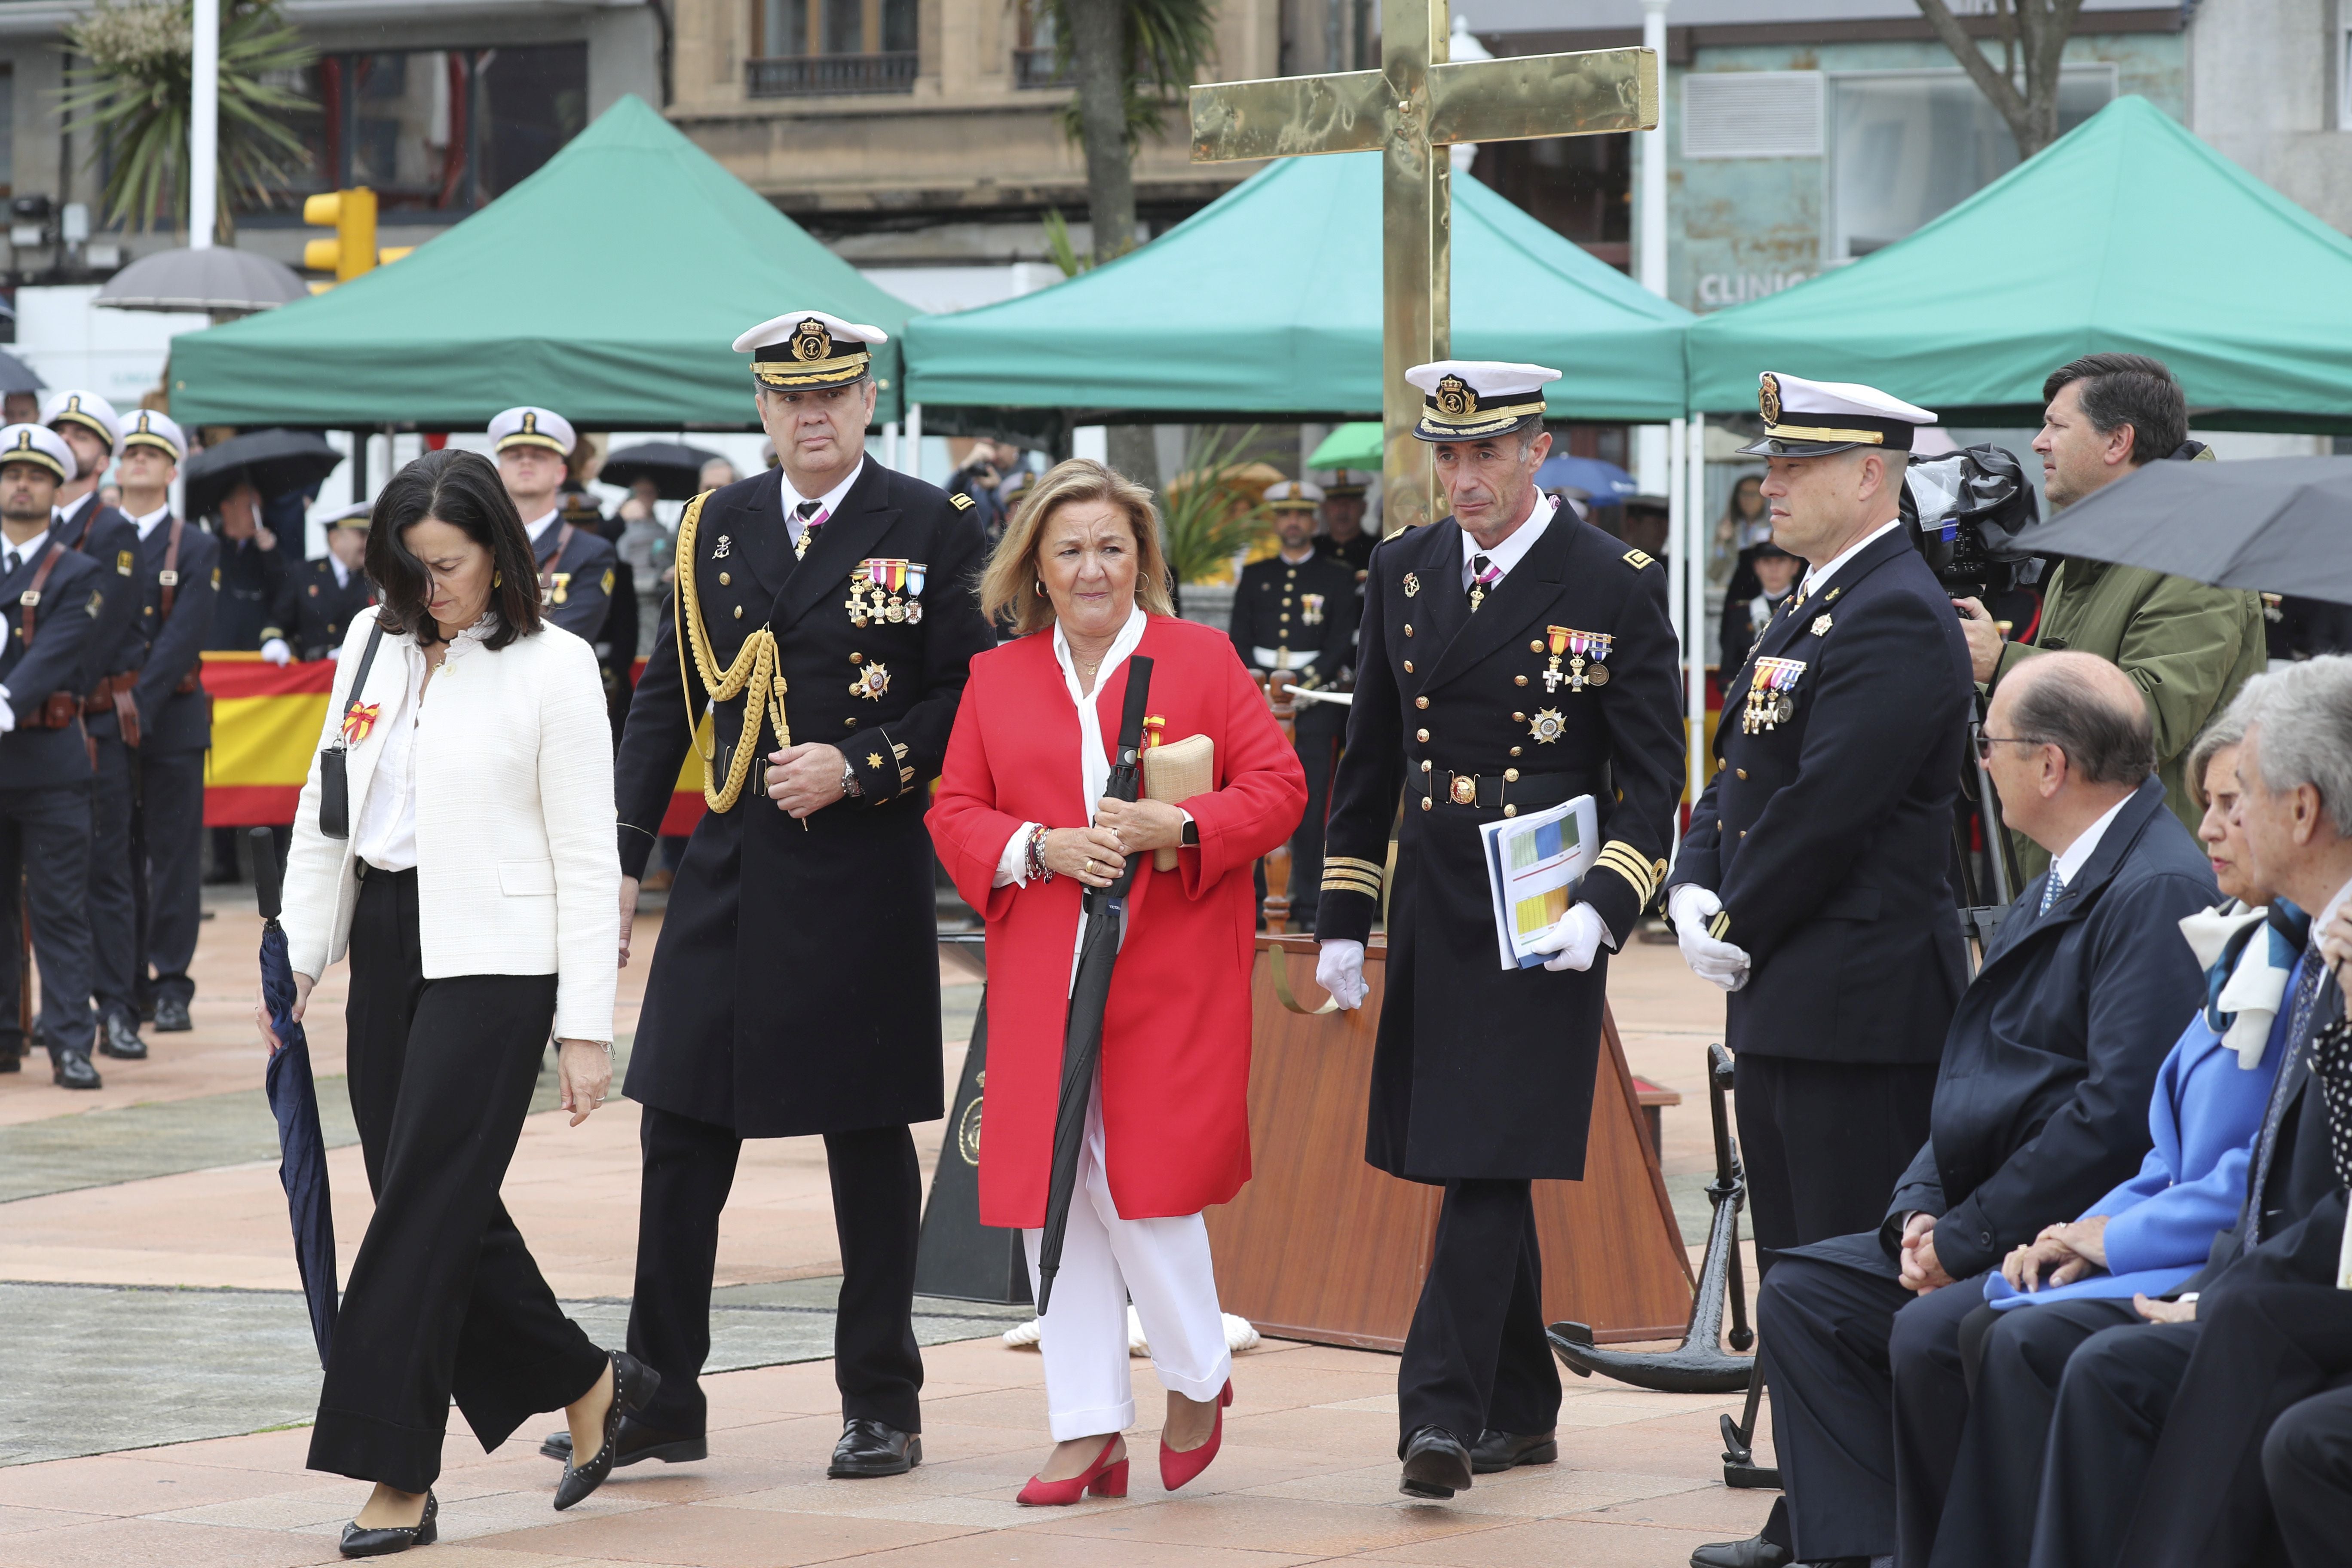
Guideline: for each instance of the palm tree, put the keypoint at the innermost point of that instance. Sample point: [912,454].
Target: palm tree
[1126,58]
[135,97]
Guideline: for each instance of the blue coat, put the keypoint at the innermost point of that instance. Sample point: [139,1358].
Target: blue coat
[2161,1223]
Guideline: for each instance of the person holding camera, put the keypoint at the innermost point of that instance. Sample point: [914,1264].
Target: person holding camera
[2188,647]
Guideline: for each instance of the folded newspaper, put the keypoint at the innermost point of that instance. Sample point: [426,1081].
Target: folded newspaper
[1534,863]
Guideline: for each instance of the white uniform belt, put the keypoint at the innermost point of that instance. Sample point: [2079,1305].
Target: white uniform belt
[1281,657]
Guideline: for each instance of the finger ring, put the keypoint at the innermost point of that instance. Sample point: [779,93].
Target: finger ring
[1090,867]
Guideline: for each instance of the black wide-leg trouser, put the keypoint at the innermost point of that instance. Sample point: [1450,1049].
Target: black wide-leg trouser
[1476,1358]
[445,1299]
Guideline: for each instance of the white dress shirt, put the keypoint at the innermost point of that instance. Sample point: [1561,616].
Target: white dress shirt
[2069,862]
[1513,549]
[1818,576]
[153,521]
[538,526]
[387,826]
[827,503]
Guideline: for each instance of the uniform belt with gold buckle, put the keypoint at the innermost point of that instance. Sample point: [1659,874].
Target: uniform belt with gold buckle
[1509,791]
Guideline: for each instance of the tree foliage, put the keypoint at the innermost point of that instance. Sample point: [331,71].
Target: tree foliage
[133,98]
[2033,35]
[1207,513]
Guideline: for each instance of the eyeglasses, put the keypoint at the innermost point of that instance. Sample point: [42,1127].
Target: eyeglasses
[1985,743]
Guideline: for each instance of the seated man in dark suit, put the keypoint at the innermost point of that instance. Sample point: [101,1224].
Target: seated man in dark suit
[2040,1106]
[2156,1443]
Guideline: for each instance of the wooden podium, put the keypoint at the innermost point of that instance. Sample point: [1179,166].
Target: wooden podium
[1320,1245]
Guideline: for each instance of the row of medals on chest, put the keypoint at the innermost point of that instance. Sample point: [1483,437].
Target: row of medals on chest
[881,588]
[1772,683]
[1587,653]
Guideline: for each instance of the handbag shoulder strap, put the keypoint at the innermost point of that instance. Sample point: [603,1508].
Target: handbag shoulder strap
[359,680]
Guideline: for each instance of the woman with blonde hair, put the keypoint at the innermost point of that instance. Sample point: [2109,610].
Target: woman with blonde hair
[1023,827]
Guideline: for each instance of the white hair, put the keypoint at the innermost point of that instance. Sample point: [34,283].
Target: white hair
[2304,712]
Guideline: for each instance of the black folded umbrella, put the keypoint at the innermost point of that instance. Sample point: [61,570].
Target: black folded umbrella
[294,1100]
[674,468]
[1091,993]
[278,462]
[2277,524]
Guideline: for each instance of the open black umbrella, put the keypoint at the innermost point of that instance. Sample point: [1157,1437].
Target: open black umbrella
[278,462]
[16,376]
[2278,524]
[294,1098]
[1091,993]
[674,468]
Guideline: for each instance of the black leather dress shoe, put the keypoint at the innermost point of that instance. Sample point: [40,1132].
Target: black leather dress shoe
[1436,1465]
[874,1449]
[11,1056]
[634,1386]
[71,1069]
[172,1017]
[637,1441]
[120,1039]
[381,1542]
[1757,1552]
[1497,1451]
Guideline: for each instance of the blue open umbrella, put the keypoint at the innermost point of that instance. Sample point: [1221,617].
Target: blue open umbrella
[294,1100]
[1606,483]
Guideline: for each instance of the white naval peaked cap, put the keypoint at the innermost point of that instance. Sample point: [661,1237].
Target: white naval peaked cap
[1293,495]
[533,427]
[86,409]
[1810,418]
[41,446]
[809,348]
[145,427]
[1472,399]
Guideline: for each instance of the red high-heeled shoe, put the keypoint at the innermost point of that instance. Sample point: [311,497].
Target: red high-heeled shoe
[1179,1466]
[1101,1478]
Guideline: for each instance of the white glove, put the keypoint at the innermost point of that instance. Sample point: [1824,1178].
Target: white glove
[8,714]
[275,651]
[1720,963]
[1340,970]
[1574,940]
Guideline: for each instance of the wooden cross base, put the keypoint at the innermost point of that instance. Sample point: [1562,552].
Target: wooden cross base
[1322,1246]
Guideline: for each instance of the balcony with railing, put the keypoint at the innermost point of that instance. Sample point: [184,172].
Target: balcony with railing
[806,76]
[1035,68]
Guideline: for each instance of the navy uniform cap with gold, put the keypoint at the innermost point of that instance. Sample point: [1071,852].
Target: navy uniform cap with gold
[86,410]
[1813,418]
[147,427]
[39,445]
[1475,400]
[804,349]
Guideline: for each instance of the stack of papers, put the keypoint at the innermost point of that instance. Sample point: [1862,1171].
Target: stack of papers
[1534,863]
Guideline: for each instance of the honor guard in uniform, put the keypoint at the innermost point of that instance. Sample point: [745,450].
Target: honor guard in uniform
[50,602]
[322,595]
[1293,623]
[575,564]
[1512,657]
[1810,884]
[823,614]
[179,577]
[111,712]
[1341,516]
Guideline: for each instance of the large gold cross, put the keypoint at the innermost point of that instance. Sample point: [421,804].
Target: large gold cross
[1415,104]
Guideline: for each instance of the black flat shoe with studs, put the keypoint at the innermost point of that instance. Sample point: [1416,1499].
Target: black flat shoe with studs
[634,1386]
[383,1540]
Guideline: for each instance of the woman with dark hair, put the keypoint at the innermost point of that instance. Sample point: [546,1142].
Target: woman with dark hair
[468,866]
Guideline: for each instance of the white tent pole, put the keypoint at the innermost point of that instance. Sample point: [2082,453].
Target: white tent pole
[1650,443]
[1675,600]
[1694,544]
[890,445]
[203,124]
[914,440]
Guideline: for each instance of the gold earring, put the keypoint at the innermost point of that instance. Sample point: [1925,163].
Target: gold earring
[497,579]
[1041,587]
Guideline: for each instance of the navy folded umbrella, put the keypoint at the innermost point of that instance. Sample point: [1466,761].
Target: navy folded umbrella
[294,1100]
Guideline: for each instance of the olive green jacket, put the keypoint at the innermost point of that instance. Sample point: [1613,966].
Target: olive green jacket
[2188,647]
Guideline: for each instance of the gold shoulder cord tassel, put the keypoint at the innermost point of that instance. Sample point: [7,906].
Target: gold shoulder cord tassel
[754,670]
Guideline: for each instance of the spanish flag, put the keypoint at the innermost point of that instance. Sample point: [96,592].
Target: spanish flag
[267,723]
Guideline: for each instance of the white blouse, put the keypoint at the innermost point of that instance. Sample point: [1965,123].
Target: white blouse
[387,826]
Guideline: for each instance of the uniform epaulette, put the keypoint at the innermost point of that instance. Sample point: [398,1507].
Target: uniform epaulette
[1637,558]
[961,502]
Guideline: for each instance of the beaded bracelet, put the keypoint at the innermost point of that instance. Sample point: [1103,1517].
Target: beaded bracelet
[1038,870]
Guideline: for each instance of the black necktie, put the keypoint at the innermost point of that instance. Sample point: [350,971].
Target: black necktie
[1483,578]
[8,567]
[811,521]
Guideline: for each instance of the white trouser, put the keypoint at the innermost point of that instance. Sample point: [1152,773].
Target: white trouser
[1164,1266]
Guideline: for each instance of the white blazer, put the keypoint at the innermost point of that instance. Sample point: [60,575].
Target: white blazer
[518,870]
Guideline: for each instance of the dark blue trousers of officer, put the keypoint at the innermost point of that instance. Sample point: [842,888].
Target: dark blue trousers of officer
[44,849]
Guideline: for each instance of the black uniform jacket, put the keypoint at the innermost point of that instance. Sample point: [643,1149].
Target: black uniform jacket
[795,986]
[116,645]
[171,720]
[2041,1099]
[1308,608]
[579,585]
[314,611]
[250,580]
[1480,1071]
[57,658]
[1828,837]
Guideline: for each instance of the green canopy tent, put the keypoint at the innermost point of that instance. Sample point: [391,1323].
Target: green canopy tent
[2127,235]
[607,286]
[1267,304]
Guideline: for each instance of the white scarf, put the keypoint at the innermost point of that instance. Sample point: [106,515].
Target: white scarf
[2250,998]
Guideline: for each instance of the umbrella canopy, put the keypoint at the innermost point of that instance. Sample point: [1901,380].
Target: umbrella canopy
[674,468]
[278,462]
[632,331]
[1605,483]
[16,376]
[294,1100]
[217,280]
[1355,445]
[2267,523]
[1267,302]
[2126,234]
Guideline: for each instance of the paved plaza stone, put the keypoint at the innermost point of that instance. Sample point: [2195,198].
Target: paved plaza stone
[165,1377]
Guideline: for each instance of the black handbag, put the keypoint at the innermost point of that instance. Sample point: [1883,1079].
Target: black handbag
[334,783]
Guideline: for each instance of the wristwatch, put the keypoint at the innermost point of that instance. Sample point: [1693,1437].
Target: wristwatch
[1191,838]
[849,780]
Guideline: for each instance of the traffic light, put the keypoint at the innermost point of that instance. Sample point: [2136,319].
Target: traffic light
[352,214]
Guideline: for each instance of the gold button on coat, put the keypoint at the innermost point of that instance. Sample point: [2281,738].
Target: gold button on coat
[1408,666]
[1408,629]
[724,579]
[1510,775]
[1421,735]
[738,612]
[1520,680]
[1421,702]
[1741,771]
[1535,646]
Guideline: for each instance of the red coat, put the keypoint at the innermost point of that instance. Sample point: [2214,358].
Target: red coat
[1176,1037]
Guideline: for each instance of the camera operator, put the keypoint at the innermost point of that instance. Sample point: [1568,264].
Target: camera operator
[2187,646]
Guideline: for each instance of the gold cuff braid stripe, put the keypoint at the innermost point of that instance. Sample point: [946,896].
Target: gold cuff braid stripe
[1369,868]
[754,670]
[1335,875]
[1622,859]
[1720,925]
